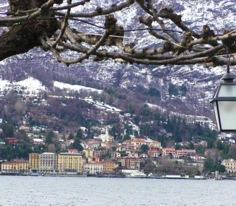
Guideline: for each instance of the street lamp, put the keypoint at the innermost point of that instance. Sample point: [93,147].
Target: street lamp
[224,103]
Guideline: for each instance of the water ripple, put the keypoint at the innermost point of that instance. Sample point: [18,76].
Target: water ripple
[68,191]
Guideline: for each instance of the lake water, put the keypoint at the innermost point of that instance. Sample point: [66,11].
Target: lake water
[80,191]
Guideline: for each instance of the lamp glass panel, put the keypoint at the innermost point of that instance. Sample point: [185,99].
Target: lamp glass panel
[216,92]
[227,112]
[216,115]
[227,91]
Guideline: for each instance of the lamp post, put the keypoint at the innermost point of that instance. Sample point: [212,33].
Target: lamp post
[224,103]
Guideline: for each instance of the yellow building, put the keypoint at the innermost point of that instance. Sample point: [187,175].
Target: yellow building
[34,161]
[153,143]
[230,165]
[88,152]
[70,162]
[138,142]
[15,165]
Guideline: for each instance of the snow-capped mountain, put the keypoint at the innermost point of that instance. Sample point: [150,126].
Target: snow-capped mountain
[199,80]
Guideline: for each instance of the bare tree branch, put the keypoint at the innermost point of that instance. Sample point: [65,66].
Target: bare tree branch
[64,24]
[33,23]
[99,11]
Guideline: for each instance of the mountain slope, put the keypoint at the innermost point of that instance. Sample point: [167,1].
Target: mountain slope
[136,79]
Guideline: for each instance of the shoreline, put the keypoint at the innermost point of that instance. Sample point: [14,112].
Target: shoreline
[116,176]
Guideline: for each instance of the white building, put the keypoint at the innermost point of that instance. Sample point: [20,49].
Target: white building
[93,167]
[38,141]
[47,162]
[106,137]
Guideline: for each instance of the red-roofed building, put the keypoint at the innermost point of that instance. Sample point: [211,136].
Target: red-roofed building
[12,140]
[153,153]
[168,151]
[138,142]
[184,152]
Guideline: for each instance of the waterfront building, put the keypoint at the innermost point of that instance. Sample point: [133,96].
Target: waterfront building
[230,165]
[34,161]
[108,166]
[16,166]
[93,168]
[69,162]
[47,162]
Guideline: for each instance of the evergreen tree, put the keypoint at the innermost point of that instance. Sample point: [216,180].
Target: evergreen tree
[77,144]
[79,133]
[8,129]
[144,148]
[71,136]
[49,137]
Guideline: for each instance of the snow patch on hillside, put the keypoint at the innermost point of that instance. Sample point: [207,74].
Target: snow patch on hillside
[29,85]
[32,85]
[77,88]
[3,84]
[102,105]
